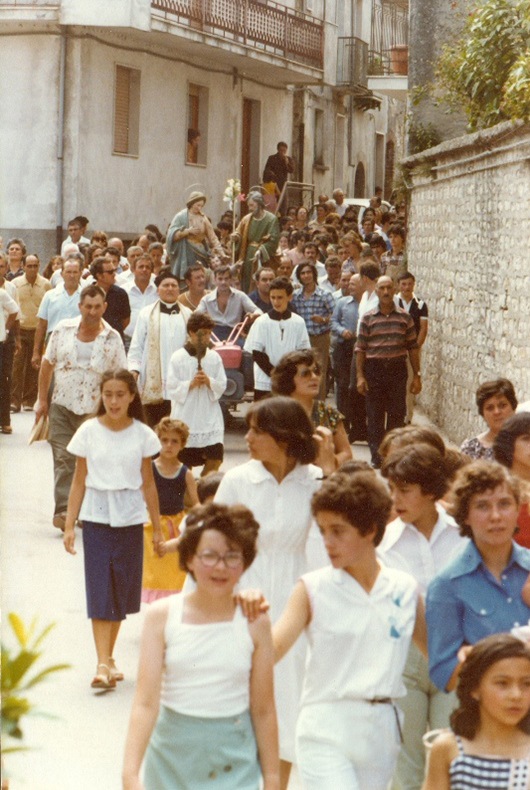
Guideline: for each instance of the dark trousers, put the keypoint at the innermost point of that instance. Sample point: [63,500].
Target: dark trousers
[6,370]
[342,357]
[25,377]
[385,400]
[155,411]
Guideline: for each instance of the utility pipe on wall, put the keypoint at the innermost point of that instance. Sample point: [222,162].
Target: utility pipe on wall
[60,143]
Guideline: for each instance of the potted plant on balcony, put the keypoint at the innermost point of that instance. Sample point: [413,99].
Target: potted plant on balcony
[399,59]
[376,67]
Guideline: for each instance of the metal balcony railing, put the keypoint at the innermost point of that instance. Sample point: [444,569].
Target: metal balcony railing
[262,24]
[389,37]
[352,62]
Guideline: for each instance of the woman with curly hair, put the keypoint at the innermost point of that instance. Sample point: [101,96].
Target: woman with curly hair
[203,713]
[480,592]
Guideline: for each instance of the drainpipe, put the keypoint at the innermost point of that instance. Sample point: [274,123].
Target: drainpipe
[60,142]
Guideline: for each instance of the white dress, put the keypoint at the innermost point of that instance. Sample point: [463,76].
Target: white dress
[200,408]
[283,511]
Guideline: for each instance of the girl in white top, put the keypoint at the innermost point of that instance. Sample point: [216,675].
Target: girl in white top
[210,670]
[359,617]
[277,484]
[113,481]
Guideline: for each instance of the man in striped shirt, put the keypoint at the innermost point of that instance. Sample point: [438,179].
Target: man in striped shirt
[385,338]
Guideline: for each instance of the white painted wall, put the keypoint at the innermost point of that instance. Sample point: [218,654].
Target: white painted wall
[29,69]
[123,192]
[116,13]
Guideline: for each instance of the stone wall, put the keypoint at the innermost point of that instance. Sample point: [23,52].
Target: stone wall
[469,248]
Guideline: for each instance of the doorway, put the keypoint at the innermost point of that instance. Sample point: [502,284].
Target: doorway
[250,147]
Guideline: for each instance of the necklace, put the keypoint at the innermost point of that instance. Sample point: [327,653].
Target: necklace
[194,306]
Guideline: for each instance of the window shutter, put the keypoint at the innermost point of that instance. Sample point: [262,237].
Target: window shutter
[122,110]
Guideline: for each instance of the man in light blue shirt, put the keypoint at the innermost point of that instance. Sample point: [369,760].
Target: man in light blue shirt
[344,330]
[58,303]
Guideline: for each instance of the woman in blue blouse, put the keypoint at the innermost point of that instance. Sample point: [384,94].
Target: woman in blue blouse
[479,592]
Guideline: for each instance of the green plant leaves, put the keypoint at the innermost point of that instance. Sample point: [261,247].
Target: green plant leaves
[15,669]
[485,71]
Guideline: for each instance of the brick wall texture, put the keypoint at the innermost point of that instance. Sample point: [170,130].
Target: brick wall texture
[469,248]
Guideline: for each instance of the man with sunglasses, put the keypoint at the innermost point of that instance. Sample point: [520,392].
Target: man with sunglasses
[118,311]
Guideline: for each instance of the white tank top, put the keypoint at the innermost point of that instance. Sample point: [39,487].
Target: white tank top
[207,667]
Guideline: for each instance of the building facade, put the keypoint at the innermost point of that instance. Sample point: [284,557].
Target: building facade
[98,99]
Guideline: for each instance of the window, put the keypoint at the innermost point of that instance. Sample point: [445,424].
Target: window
[126,111]
[197,129]
[318,151]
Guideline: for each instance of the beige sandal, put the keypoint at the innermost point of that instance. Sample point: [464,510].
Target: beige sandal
[114,671]
[103,680]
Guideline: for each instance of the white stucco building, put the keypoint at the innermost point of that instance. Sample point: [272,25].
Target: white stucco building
[98,97]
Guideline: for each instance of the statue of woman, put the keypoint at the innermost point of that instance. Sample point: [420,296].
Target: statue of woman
[191,237]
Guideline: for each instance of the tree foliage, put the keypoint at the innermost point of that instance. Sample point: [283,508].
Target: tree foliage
[486,71]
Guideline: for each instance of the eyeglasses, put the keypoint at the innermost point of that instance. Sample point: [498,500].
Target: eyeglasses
[232,559]
[306,373]
[109,271]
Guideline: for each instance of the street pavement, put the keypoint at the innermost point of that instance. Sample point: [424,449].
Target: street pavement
[78,743]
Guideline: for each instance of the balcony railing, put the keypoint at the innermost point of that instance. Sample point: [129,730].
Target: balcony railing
[262,24]
[352,62]
[389,37]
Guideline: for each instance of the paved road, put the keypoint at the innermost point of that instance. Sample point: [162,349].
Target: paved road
[81,748]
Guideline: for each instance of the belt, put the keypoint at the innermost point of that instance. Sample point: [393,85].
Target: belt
[388,701]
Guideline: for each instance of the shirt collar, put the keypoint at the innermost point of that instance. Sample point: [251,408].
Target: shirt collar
[469,560]
[398,527]
[279,316]
[305,473]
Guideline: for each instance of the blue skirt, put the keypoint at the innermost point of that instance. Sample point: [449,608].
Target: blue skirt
[194,753]
[113,570]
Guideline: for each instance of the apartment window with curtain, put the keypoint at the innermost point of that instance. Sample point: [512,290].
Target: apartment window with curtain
[126,111]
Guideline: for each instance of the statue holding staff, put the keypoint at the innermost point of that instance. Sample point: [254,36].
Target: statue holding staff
[256,239]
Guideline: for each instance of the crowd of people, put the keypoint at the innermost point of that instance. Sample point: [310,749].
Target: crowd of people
[303,606]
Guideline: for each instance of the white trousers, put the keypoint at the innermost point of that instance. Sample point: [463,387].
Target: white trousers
[347,745]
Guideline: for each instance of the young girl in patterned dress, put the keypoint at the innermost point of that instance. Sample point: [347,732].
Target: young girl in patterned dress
[489,746]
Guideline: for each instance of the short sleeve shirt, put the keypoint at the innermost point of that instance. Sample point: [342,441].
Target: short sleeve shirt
[114,470]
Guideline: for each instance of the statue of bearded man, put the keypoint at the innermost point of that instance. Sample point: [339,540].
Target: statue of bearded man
[256,239]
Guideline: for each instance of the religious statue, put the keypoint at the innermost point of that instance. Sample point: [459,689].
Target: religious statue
[256,239]
[191,238]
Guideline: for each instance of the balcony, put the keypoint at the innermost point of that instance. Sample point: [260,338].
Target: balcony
[352,63]
[388,54]
[257,29]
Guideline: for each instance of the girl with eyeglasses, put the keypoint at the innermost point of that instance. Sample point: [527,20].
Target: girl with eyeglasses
[276,484]
[203,712]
